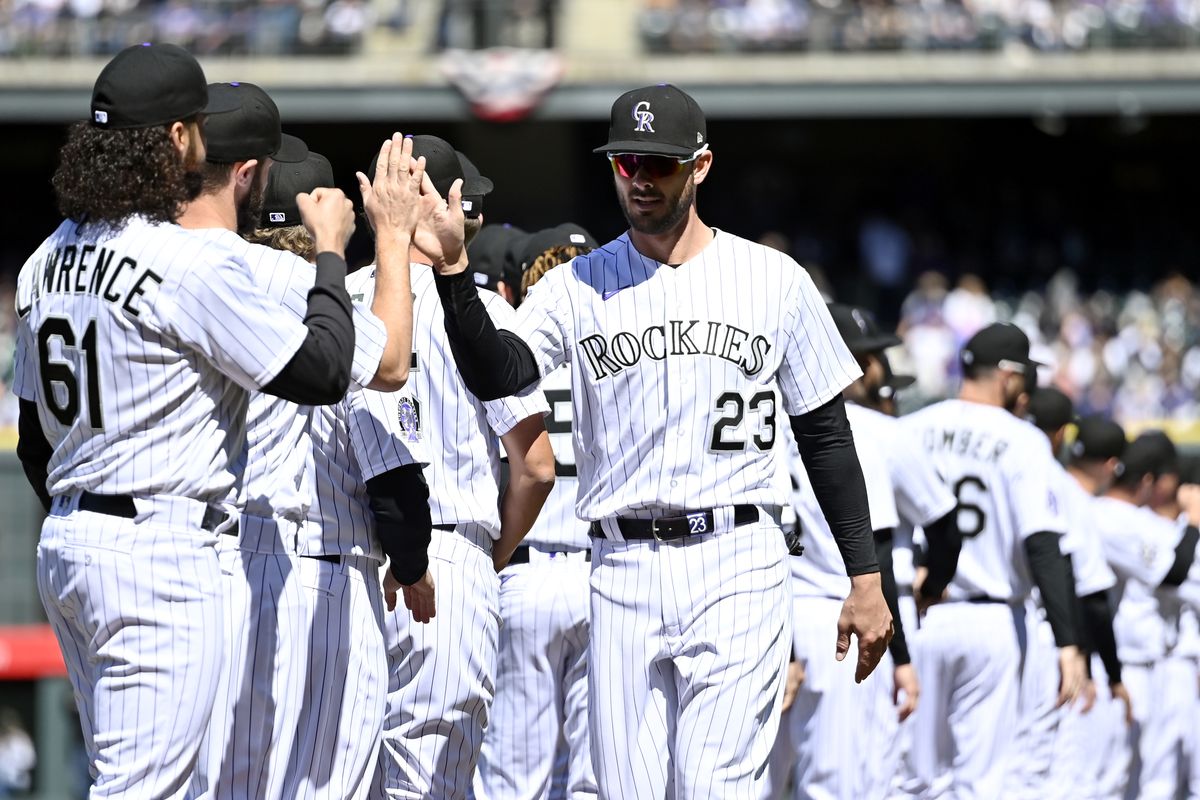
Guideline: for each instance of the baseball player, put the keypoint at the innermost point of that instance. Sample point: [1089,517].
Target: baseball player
[536,744]
[676,335]
[1052,761]
[968,651]
[493,260]
[442,673]
[260,696]
[1151,557]
[138,345]
[1091,752]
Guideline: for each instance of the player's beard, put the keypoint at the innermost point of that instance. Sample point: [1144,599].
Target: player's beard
[1013,390]
[250,209]
[668,217]
[193,160]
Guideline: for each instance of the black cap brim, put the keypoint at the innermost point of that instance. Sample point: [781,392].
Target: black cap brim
[874,344]
[291,150]
[645,148]
[900,381]
[477,186]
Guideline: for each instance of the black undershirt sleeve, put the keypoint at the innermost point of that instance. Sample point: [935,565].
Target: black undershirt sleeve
[1098,619]
[943,545]
[1052,575]
[493,363]
[1185,554]
[319,372]
[827,448]
[898,647]
[400,502]
[34,450]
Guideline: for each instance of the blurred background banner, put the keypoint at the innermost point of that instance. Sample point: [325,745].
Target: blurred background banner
[946,163]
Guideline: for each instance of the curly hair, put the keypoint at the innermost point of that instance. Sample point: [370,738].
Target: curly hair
[107,175]
[548,261]
[293,238]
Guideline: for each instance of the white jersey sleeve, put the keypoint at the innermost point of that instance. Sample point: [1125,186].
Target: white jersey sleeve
[1139,545]
[1082,543]
[504,414]
[1033,485]
[385,430]
[544,320]
[816,363]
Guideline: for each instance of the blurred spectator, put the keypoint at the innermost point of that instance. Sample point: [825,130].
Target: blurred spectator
[17,756]
[821,25]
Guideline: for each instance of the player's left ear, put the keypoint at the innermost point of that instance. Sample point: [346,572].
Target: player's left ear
[703,165]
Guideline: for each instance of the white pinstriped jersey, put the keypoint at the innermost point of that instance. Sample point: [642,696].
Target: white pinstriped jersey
[140,346]
[921,496]
[1000,468]
[673,370]
[460,431]
[1082,542]
[821,572]
[556,523]
[277,432]
[1140,548]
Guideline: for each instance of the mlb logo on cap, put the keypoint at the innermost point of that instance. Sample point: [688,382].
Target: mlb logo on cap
[278,216]
[101,117]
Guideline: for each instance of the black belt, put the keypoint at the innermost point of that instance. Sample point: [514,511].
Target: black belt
[521,554]
[122,505]
[328,559]
[447,528]
[980,598]
[666,529]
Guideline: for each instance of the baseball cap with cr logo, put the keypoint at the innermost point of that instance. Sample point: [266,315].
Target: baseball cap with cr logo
[660,120]
[151,84]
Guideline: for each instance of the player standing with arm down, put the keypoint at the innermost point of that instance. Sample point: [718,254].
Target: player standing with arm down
[676,334]
[138,345]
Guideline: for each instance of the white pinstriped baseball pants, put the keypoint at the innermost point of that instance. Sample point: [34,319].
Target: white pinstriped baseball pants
[441,676]
[689,651]
[136,608]
[540,709]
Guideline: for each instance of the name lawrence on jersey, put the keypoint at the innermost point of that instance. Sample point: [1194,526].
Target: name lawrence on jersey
[607,357]
[91,267]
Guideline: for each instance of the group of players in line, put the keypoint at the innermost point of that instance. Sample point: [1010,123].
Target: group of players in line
[1045,638]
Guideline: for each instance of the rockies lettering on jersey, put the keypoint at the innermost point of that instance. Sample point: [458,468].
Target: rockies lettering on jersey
[721,340]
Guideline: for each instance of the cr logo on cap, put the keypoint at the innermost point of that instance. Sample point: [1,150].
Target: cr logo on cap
[641,113]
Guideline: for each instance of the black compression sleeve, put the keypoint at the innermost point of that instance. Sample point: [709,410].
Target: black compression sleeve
[319,372]
[944,543]
[34,450]
[827,449]
[1098,618]
[1185,554]
[493,363]
[400,502]
[898,647]
[1052,575]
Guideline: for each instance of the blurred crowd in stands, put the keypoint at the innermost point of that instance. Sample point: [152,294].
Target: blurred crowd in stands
[1135,355]
[206,27]
[918,25]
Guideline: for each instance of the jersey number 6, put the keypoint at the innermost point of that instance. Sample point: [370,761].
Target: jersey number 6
[63,371]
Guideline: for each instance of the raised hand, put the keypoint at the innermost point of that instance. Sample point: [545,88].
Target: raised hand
[329,217]
[392,196]
[441,234]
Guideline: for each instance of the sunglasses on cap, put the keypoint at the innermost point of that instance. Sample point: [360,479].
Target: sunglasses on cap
[657,167]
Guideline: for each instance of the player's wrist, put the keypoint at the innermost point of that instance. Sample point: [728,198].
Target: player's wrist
[459,265]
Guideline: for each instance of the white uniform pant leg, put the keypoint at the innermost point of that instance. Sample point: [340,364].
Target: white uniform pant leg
[969,660]
[137,612]
[1163,771]
[727,622]
[540,710]
[1038,714]
[249,740]
[832,715]
[1157,732]
[441,678]
[1107,739]
[1193,741]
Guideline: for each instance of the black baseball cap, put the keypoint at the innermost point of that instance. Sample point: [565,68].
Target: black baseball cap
[492,256]
[656,120]
[860,331]
[1098,438]
[251,130]
[288,179]
[475,186]
[443,167]
[567,234]
[1162,451]
[1050,409]
[1000,344]
[1141,458]
[892,382]
[151,84]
